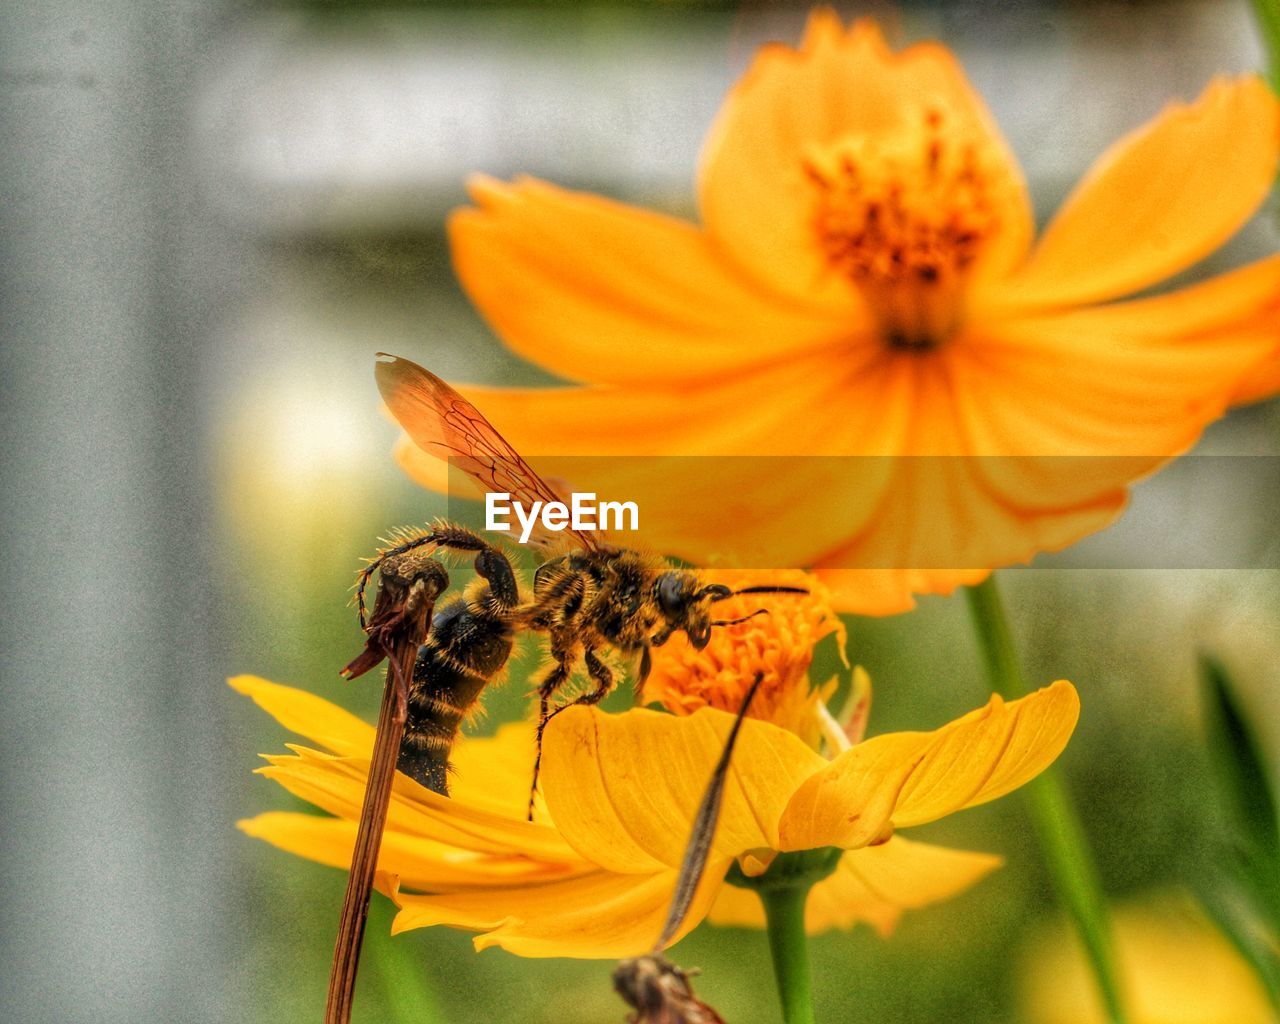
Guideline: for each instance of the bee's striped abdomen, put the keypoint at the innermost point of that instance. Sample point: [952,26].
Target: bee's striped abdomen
[467,646]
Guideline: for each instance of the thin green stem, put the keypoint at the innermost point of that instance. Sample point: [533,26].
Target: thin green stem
[789,946]
[1057,828]
[1268,14]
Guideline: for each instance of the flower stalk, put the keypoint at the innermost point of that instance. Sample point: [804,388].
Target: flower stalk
[783,890]
[789,947]
[1057,827]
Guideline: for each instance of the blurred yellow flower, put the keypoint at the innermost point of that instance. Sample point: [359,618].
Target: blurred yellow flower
[1175,969]
[865,282]
[593,874]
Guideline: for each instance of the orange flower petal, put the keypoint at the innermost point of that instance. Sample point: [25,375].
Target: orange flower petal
[419,863]
[1262,381]
[1235,315]
[1158,200]
[754,194]
[320,721]
[623,789]
[890,591]
[902,779]
[1117,382]
[336,785]
[873,885]
[597,290]
[754,509]
[1121,387]
[600,916]
[997,509]
[983,524]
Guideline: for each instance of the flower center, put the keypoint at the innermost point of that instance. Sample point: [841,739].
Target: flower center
[904,217]
[777,646]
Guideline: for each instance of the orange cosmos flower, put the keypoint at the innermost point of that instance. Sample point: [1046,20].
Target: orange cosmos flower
[593,874]
[865,281]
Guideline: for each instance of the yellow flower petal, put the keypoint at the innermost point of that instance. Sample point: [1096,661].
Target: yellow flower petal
[419,863]
[908,778]
[873,885]
[490,773]
[306,714]
[555,272]
[598,916]
[495,773]
[623,789]
[1159,200]
[840,83]
[337,784]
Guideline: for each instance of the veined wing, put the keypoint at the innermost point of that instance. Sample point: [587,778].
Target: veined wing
[444,424]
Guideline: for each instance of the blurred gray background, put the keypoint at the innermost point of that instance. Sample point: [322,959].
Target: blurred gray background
[212,216]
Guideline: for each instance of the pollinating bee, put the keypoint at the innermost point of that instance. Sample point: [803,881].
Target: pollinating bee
[588,598]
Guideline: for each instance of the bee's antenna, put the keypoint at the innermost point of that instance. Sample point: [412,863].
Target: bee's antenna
[719,592]
[745,618]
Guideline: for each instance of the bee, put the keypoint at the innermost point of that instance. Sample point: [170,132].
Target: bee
[587,601]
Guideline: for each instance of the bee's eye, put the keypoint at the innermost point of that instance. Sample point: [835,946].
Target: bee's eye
[671,595]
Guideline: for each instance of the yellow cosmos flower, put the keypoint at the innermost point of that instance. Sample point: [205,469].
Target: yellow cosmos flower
[592,876]
[865,281]
[1175,969]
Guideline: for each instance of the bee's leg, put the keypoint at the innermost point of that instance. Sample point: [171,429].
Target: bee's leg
[600,675]
[554,680]
[490,563]
[494,567]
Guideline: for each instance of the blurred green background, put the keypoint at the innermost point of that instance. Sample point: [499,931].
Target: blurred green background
[216,214]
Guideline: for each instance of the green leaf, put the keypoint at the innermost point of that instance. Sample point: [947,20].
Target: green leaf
[1241,768]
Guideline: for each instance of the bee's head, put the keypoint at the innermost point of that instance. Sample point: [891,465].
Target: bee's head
[686,603]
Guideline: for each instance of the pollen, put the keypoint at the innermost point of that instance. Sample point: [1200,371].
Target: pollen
[904,217]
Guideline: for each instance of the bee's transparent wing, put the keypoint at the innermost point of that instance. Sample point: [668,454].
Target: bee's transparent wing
[444,424]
